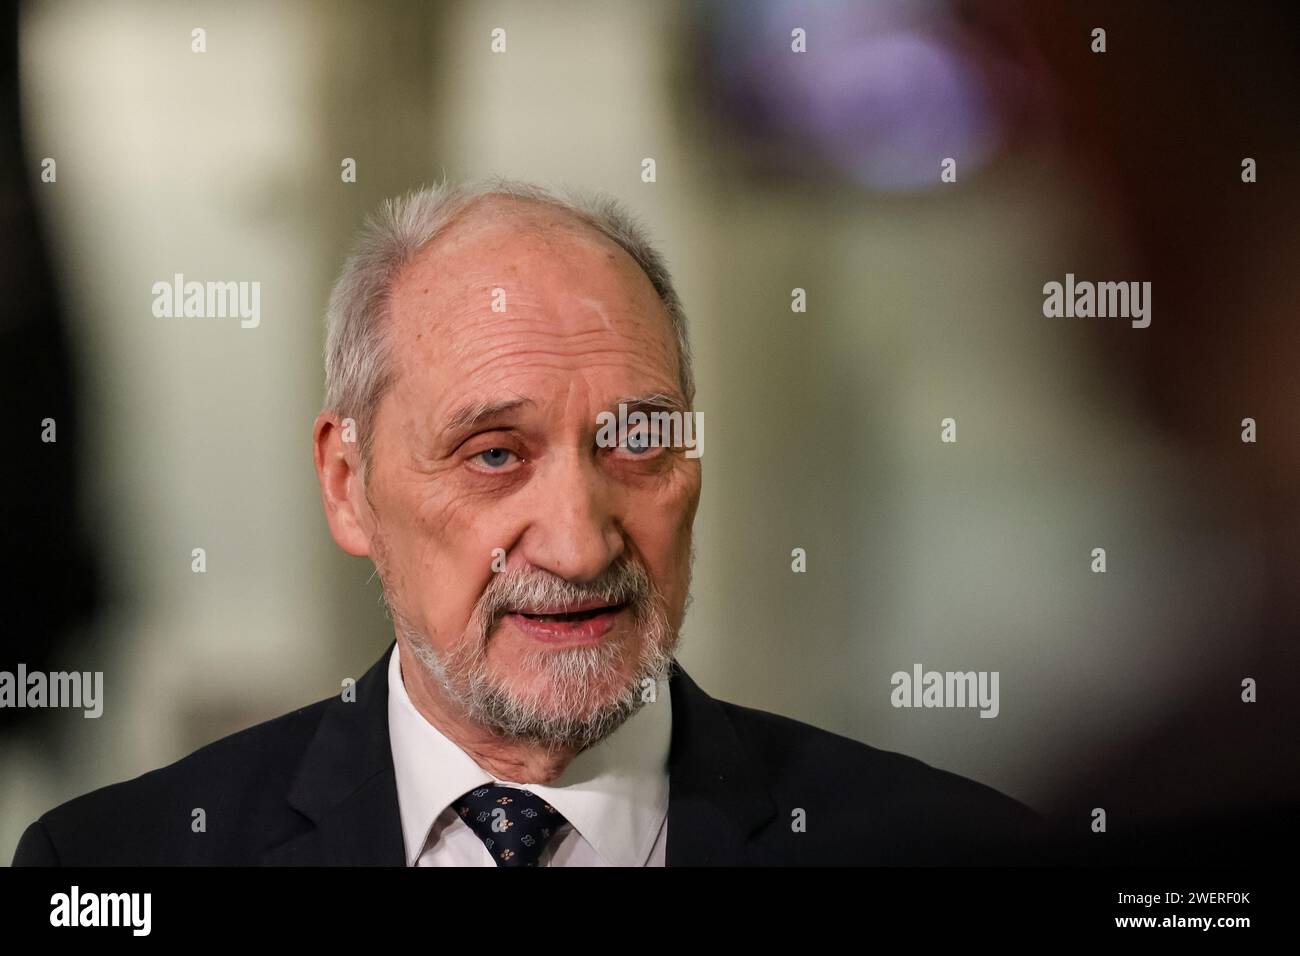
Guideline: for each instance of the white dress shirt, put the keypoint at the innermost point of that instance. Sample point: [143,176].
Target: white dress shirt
[613,795]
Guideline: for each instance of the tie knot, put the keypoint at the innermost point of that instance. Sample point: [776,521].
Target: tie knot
[514,824]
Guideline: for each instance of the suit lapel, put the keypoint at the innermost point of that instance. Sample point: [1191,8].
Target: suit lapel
[346,785]
[715,800]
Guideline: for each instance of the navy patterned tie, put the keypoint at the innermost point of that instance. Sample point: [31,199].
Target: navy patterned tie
[515,825]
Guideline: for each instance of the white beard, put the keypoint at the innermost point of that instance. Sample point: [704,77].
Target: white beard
[577,696]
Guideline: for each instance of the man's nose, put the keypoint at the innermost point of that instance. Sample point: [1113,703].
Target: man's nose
[574,531]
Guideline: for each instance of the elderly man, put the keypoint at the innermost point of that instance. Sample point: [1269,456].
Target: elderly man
[530,711]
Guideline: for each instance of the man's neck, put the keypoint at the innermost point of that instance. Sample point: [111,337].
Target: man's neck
[514,761]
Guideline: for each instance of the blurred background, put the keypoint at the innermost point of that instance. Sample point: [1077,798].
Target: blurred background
[774,170]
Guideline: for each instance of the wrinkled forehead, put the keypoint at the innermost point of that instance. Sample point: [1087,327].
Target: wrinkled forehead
[508,299]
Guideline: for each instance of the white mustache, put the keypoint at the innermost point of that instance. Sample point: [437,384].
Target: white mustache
[624,583]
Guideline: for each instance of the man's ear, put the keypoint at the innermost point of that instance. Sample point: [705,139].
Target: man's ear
[341,491]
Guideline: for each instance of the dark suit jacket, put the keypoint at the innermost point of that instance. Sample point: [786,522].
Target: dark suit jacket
[316,787]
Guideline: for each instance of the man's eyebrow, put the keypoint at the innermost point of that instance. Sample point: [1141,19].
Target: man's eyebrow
[471,414]
[659,401]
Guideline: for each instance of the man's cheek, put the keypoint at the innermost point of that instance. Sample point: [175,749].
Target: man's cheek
[487,533]
[463,546]
[667,533]
[679,496]
[478,558]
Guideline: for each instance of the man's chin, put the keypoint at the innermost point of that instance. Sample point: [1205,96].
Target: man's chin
[558,730]
[570,699]
[554,694]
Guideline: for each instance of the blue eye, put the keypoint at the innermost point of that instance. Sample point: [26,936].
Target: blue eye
[495,457]
[639,443]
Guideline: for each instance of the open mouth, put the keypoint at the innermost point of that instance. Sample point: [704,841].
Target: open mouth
[571,616]
[587,625]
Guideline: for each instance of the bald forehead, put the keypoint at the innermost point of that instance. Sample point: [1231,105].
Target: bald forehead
[560,285]
[500,237]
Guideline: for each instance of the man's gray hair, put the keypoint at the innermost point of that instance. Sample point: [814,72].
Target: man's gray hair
[358,370]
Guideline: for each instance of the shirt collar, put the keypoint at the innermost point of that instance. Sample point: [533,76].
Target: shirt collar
[615,794]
